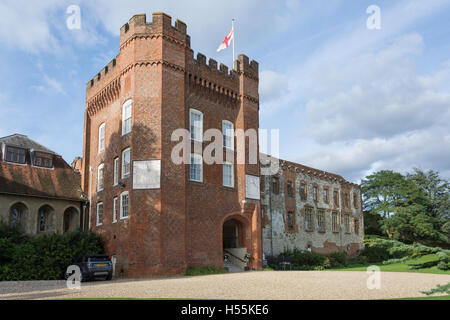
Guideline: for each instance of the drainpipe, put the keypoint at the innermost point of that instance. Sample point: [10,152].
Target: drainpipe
[271,216]
[90,196]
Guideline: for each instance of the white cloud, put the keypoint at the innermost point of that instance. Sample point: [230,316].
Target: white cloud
[26,24]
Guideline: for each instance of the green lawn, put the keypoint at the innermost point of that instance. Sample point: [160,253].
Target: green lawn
[426,298]
[400,267]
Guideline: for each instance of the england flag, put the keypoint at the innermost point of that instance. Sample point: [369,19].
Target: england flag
[226,42]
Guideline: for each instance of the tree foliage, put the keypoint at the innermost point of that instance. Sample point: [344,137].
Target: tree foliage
[414,207]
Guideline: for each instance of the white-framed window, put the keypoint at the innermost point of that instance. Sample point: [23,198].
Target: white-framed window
[100,174]
[116,171]
[101,138]
[196,167]
[228,134]
[196,125]
[126,163]
[127,113]
[124,203]
[115,208]
[228,174]
[99,213]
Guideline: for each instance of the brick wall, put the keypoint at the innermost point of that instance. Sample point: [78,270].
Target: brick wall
[179,224]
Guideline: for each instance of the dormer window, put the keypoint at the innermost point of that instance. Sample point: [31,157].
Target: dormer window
[42,160]
[16,155]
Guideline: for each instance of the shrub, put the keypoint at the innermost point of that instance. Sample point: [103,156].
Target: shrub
[45,257]
[392,261]
[338,259]
[443,265]
[199,271]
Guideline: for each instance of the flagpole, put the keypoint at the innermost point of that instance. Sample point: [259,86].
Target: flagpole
[234,36]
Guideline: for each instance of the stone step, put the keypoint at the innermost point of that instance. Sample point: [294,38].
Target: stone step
[231,268]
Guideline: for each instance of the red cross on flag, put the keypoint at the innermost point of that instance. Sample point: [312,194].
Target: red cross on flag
[226,42]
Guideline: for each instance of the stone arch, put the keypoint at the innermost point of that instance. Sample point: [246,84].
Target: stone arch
[71,218]
[45,219]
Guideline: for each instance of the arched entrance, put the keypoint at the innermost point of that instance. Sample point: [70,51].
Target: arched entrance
[71,219]
[234,243]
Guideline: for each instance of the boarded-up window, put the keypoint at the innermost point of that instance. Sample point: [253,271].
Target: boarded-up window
[335,221]
[309,219]
[321,220]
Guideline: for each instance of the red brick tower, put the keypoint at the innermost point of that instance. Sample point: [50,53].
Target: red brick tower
[171,223]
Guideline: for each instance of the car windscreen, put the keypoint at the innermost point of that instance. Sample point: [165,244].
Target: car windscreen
[98,259]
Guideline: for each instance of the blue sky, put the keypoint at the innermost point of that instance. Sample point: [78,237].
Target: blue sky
[346,99]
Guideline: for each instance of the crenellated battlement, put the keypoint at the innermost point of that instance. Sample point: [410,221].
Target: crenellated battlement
[140,44]
[161,24]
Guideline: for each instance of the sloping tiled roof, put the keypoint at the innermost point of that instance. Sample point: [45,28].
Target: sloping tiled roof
[21,141]
[265,159]
[60,182]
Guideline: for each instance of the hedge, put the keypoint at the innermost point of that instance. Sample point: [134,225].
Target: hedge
[43,257]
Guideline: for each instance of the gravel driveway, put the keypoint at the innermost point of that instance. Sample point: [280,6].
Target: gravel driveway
[290,285]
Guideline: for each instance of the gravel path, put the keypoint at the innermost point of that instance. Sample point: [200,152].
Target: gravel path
[289,285]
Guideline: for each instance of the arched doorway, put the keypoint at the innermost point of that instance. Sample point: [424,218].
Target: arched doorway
[45,218]
[17,215]
[235,246]
[71,219]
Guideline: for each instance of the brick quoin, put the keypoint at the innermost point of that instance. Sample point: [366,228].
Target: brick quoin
[178,225]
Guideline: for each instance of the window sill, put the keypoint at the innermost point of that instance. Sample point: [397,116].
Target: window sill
[196,181]
[123,218]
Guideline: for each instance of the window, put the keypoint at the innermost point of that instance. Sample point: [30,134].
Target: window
[17,213]
[355,200]
[321,220]
[115,207]
[196,125]
[325,195]
[347,223]
[100,177]
[126,160]
[101,138]
[308,219]
[116,171]
[196,173]
[228,175]
[335,221]
[124,202]
[336,198]
[99,213]
[290,220]
[289,188]
[16,155]
[275,185]
[315,193]
[42,160]
[356,226]
[127,112]
[346,200]
[44,218]
[303,191]
[228,134]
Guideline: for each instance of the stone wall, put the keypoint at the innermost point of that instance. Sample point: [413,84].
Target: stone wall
[278,236]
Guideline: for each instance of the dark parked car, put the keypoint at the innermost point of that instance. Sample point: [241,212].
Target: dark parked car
[94,266]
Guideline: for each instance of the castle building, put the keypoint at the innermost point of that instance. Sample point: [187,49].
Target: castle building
[39,191]
[159,217]
[308,209]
